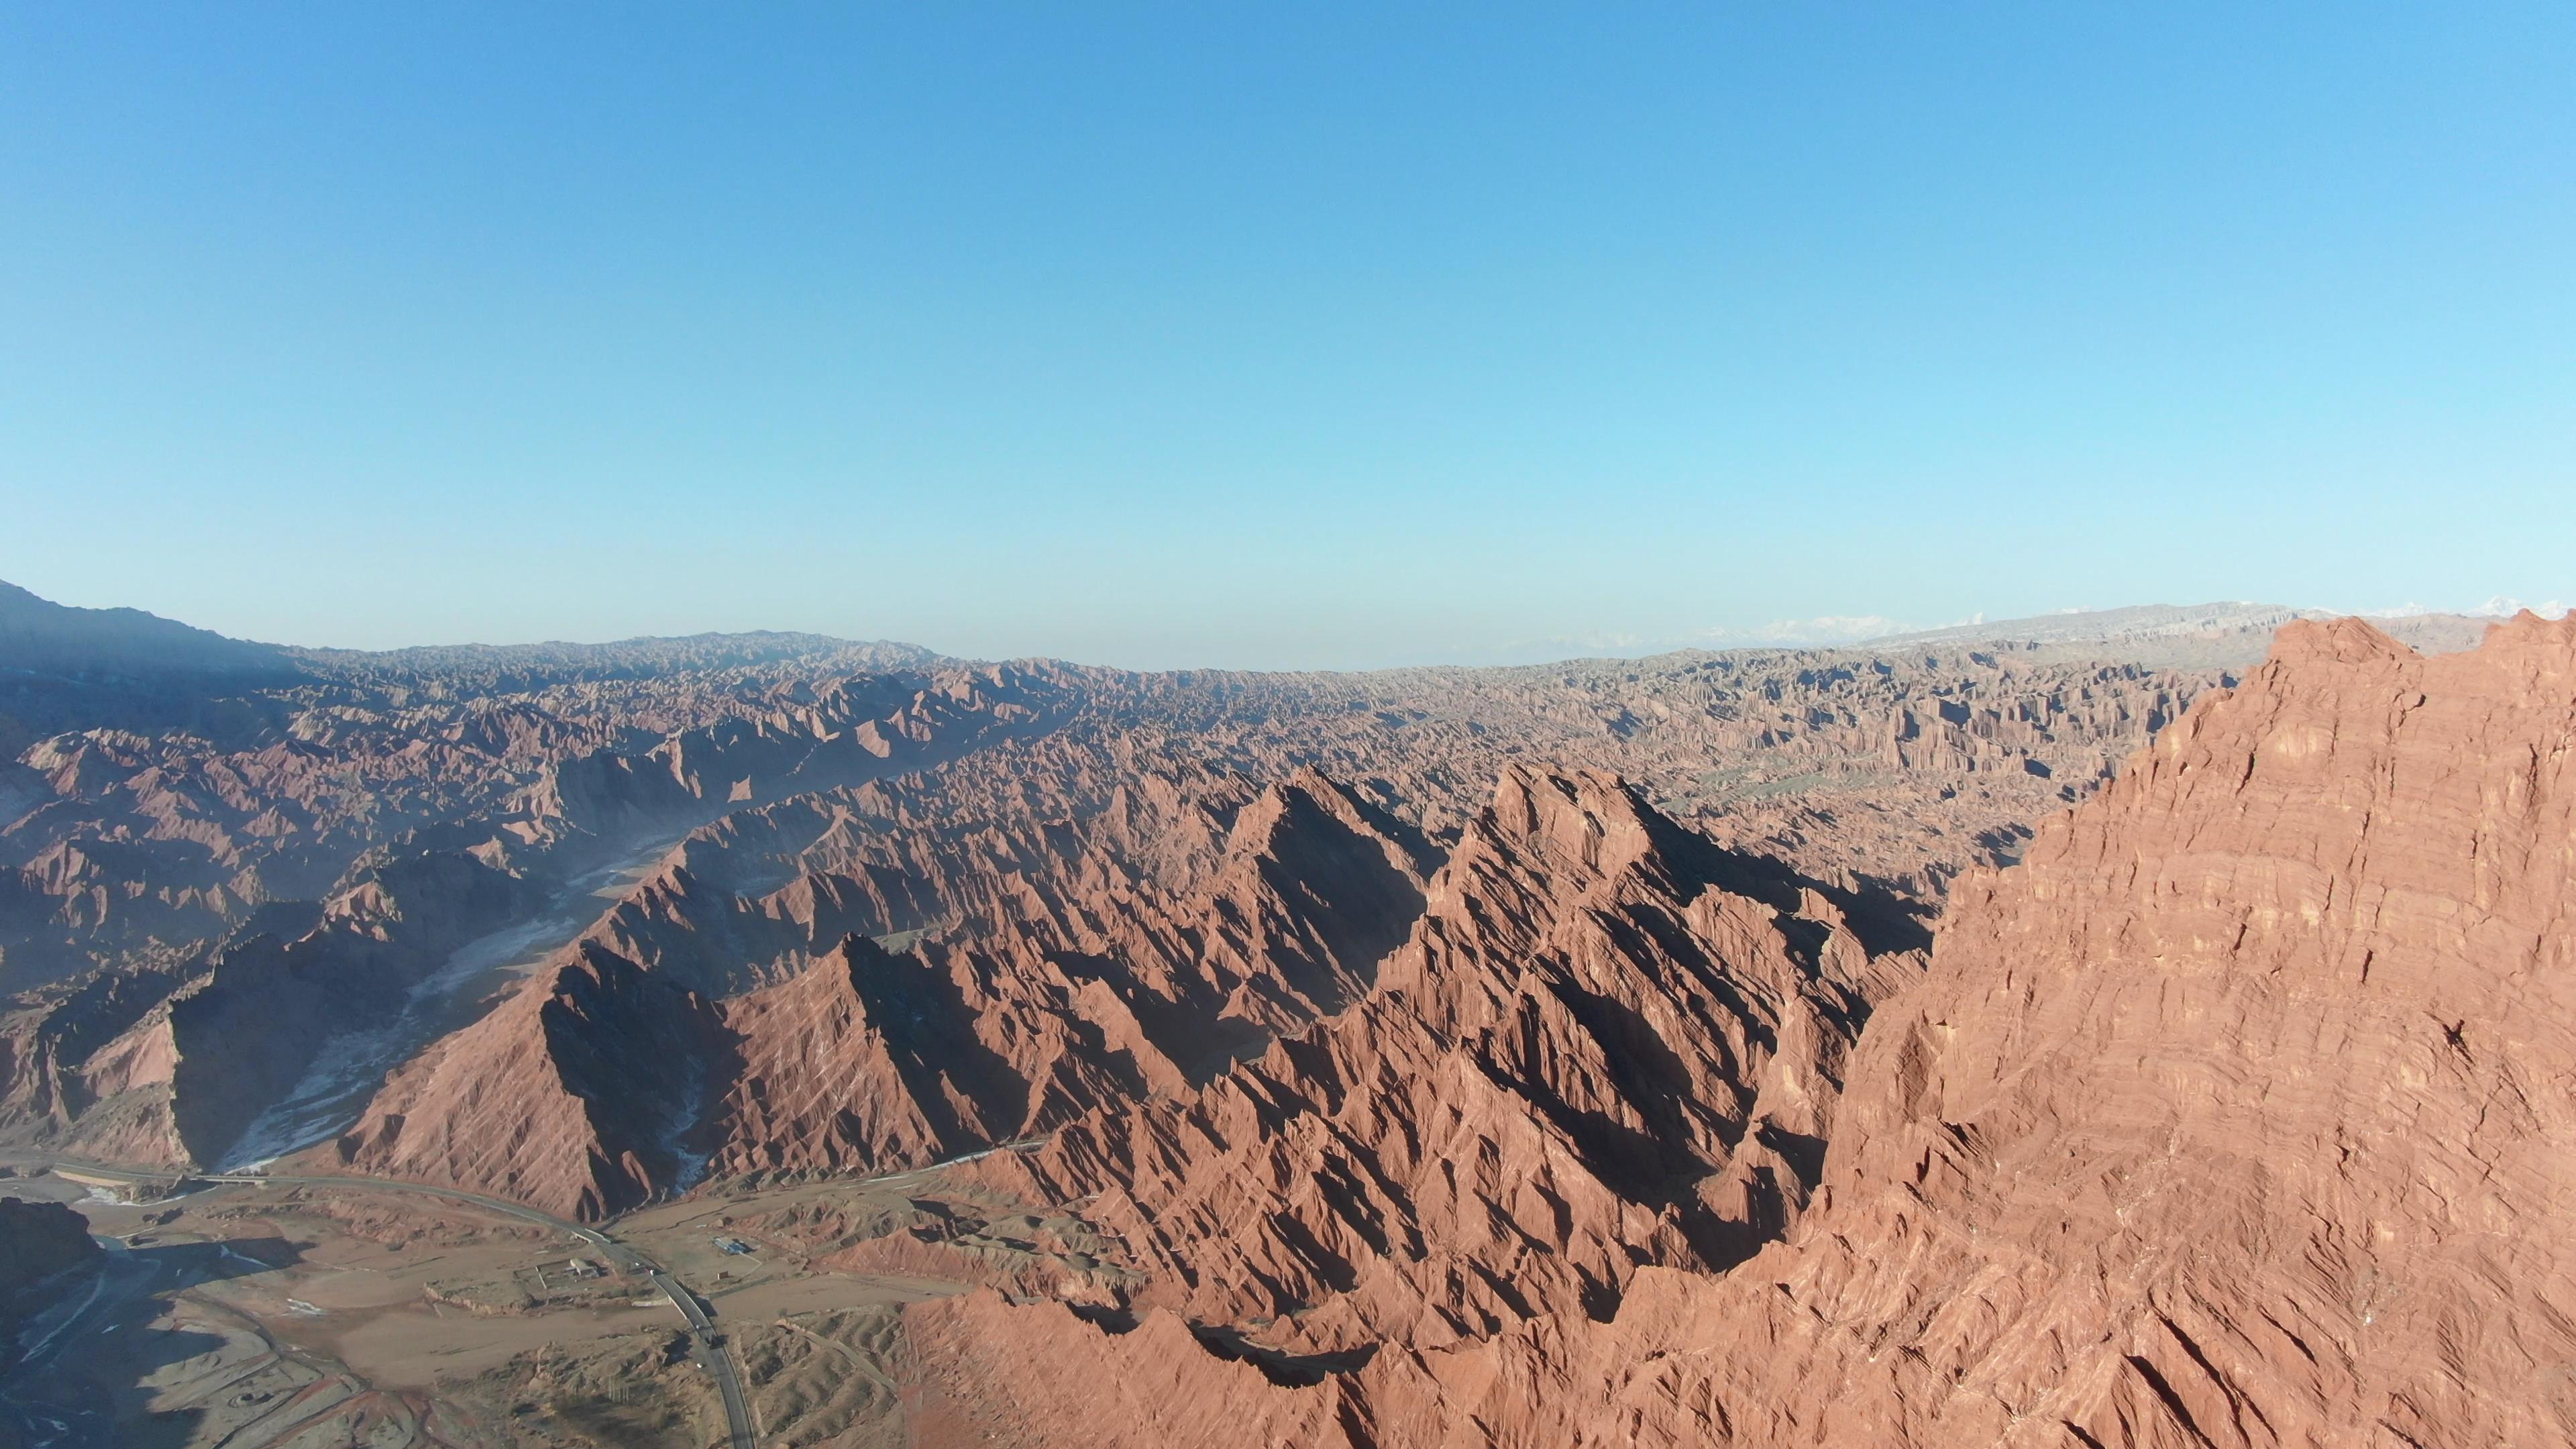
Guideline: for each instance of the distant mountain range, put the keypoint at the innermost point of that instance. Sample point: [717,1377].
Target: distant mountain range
[65,668]
[2186,635]
[38,636]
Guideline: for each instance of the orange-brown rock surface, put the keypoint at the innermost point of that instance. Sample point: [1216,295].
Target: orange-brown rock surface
[571,1096]
[2236,1114]
[1077,843]
[1079,972]
[1607,1104]
[1593,1055]
[251,916]
[232,898]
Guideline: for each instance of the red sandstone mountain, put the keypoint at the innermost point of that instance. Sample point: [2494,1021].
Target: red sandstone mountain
[2235,1115]
[213,996]
[213,913]
[1593,1055]
[1069,978]
[572,1095]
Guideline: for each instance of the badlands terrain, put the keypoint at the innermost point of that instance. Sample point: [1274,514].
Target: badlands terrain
[2139,1028]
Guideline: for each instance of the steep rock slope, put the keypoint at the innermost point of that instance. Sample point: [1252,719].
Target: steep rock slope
[1078,847]
[171,1067]
[1070,982]
[572,1096]
[871,1061]
[1599,1050]
[2235,1116]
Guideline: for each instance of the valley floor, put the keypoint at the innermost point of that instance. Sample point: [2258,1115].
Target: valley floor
[251,1316]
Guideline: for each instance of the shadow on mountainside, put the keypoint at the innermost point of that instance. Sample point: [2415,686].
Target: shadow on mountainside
[84,1363]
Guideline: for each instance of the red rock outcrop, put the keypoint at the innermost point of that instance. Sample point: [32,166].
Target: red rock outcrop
[411,832]
[1082,840]
[870,1061]
[2235,1115]
[574,1095]
[1592,1055]
[169,1066]
[1072,978]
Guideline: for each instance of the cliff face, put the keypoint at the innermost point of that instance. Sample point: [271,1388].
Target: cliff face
[2235,1115]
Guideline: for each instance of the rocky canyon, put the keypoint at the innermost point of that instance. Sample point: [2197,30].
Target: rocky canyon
[2148,1028]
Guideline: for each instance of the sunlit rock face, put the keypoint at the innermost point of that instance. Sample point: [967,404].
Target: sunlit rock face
[2235,1114]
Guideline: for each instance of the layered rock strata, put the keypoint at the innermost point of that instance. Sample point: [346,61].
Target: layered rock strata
[2234,1115]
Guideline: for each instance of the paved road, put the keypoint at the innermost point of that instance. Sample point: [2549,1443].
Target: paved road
[711,1351]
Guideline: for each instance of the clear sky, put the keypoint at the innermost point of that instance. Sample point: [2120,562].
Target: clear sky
[1283,334]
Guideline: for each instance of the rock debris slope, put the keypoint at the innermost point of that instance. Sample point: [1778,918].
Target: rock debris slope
[2238,1114]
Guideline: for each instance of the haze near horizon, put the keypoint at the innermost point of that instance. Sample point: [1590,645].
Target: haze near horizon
[1158,338]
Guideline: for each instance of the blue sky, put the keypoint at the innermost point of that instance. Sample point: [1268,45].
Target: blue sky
[1279,335]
